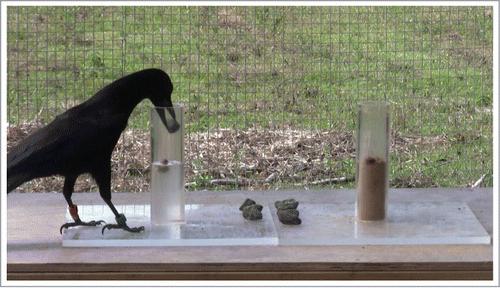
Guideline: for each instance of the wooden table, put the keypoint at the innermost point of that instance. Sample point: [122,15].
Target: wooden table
[35,251]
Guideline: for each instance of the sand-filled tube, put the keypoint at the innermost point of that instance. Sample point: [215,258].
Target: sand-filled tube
[372,160]
[167,169]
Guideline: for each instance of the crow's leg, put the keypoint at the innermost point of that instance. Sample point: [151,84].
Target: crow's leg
[121,220]
[69,183]
[103,180]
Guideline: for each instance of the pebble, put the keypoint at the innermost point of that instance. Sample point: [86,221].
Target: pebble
[253,212]
[286,204]
[287,212]
[288,215]
[247,202]
[295,221]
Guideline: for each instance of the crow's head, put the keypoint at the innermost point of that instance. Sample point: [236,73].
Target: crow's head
[172,125]
[160,97]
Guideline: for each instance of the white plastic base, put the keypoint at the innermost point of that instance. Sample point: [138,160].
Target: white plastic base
[407,224]
[322,224]
[206,225]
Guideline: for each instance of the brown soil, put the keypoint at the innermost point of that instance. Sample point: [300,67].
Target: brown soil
[372,189]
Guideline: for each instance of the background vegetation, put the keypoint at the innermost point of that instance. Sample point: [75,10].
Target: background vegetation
[271,92]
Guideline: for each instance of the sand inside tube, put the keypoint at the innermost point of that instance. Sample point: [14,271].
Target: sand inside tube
[371,190]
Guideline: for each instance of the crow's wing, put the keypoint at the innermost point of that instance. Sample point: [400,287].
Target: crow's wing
[70,144]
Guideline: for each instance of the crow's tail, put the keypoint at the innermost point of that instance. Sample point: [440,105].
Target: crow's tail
[14,181]
[15,175]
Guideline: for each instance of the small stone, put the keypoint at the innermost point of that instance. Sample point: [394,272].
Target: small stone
[295,221]
[286,204]
[287,211]
[253,207]
[247,202]
[288,215]
[252,215]
[253,212]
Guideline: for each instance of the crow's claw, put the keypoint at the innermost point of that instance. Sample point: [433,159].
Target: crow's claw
[78,222]
[124,227]
[121,220]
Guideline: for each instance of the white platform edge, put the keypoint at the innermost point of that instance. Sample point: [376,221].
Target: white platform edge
[174,242]
[389,241]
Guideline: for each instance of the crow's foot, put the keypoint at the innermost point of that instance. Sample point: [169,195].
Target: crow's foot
[79,222]
[122,224]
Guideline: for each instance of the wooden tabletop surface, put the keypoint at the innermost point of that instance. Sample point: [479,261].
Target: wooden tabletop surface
[35,251]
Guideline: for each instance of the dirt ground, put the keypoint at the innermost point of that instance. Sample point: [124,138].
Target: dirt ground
[229,159]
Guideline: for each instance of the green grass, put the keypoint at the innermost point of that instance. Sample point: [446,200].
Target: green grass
[275,67]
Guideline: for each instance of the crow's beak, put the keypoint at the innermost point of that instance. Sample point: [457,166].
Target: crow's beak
[171,125]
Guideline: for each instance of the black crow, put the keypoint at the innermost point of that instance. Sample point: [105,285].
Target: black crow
[82,139]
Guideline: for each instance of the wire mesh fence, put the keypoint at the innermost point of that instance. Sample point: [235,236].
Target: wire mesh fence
[270,93]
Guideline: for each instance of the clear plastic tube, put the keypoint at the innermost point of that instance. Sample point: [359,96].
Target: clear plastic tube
[167,170]
[372,160]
